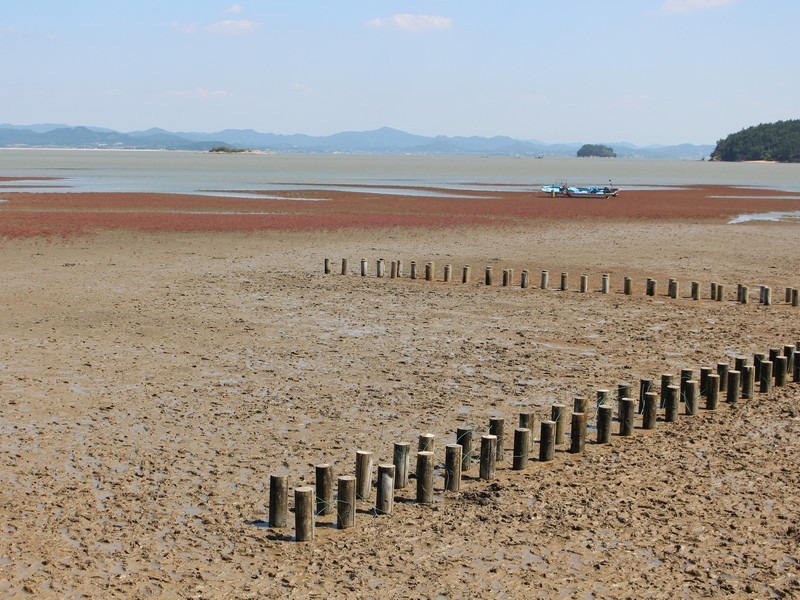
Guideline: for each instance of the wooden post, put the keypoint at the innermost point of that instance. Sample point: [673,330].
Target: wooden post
[452,467]
[545,279]
[425,442]
[605,285]
[652,286]
[713,290]
[673,403]
[278,500]
[780,371]
[674,289]
[626,416]
[758,358]
[796,368]
[650,410]
[304,513]
[666,381]
[424,477]
[399,268]
[722,371]
[557,415]
[627,286]
[739,363]
[324,489]
[788,295]
[345,269]
[327,267]
[704,373]
[488,456]
[528,421]
[413,270]
[466,274]
[488,276]
[645,385]
[745,295]
[734,386]
[691,397]
[686,376]
[401,461]
[364,268]
[712,391]
[393,270]
[767,296]
[363,474]
[789,353]
[524,279]
[748,382]
[605,416]
[506,278]
[346,502]
[384,505]
[380,268]
[464,439]
[623,391]
[603,397]
[580,405]
[429,270]
[766,377]
[496,426]
[510,277]
[564,282]
[720,292]
[795,298]
[577,433]
[522,443]
[547,447]
[448,273]
[584,283]
[695,290]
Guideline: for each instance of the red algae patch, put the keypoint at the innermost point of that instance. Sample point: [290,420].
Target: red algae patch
[67,214]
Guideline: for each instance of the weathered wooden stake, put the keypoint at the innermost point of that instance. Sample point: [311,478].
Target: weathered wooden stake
[789,353]
[399,268]
[745,295]
[713,290]
[577,433]
[363,474]
[524,279]
[722,371]
[780,371]
[425,442]
[345,269]
[666,381]
[304,514]
[720,292]
[466,274]
[564,282]
[384,504]
[278,500]
[557,414]
[346,502]
[380,268]
[734,386]
[528,421]
[393,270]
[712,391]
[626,415]
[605,416]
[424,477]
[522,443]
[795,298]
[402,461]
[327,267]
[645,385]
[488,276]
[673,288]
[673,403]
[584,283]
[496,426]
[748,381]
[545,279]
[488,456]
[767,296]
[766,377]
[605,284]
[652,287]
[412,270]
[452,467]
[691,397]
[324,489]
[429,271]
[580,405]
[364,268]
[547,447]
[704,373]
[650,410]
[464,439]
[448,273]
[506,278]
[695,290]
[627,286]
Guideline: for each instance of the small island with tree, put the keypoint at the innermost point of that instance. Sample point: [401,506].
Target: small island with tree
[596,150]
[226,150]
[776,142]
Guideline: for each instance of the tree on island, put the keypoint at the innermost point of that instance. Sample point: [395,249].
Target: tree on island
[596,150]
[778,142]
[226,149]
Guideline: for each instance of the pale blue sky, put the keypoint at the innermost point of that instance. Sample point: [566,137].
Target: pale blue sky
[643,71]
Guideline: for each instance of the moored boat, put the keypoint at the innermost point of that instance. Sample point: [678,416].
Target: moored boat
[592,191]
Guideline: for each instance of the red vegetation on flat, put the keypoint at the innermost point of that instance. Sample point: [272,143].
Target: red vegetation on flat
[66,214]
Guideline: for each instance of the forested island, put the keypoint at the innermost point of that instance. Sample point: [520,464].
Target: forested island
[596,150]
[779,142]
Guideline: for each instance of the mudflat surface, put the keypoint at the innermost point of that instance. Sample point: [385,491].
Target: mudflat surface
[151,382]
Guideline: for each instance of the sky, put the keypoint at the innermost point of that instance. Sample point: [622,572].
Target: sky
[578,71]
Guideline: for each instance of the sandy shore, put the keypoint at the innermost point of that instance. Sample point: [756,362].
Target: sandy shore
[151,381]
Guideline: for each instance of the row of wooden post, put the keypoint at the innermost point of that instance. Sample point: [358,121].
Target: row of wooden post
[767,370]
[716,292]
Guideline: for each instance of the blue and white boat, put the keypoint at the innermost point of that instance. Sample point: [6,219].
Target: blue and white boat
[593,191]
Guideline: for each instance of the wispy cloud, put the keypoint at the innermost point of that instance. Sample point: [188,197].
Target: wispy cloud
[409,22]
[226,27]
[234,9]
[198,92]
[686,6]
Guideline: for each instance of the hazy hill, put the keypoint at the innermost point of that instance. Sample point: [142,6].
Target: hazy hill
[379,141]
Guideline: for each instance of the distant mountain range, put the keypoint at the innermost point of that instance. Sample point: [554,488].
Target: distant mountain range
[379,141]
